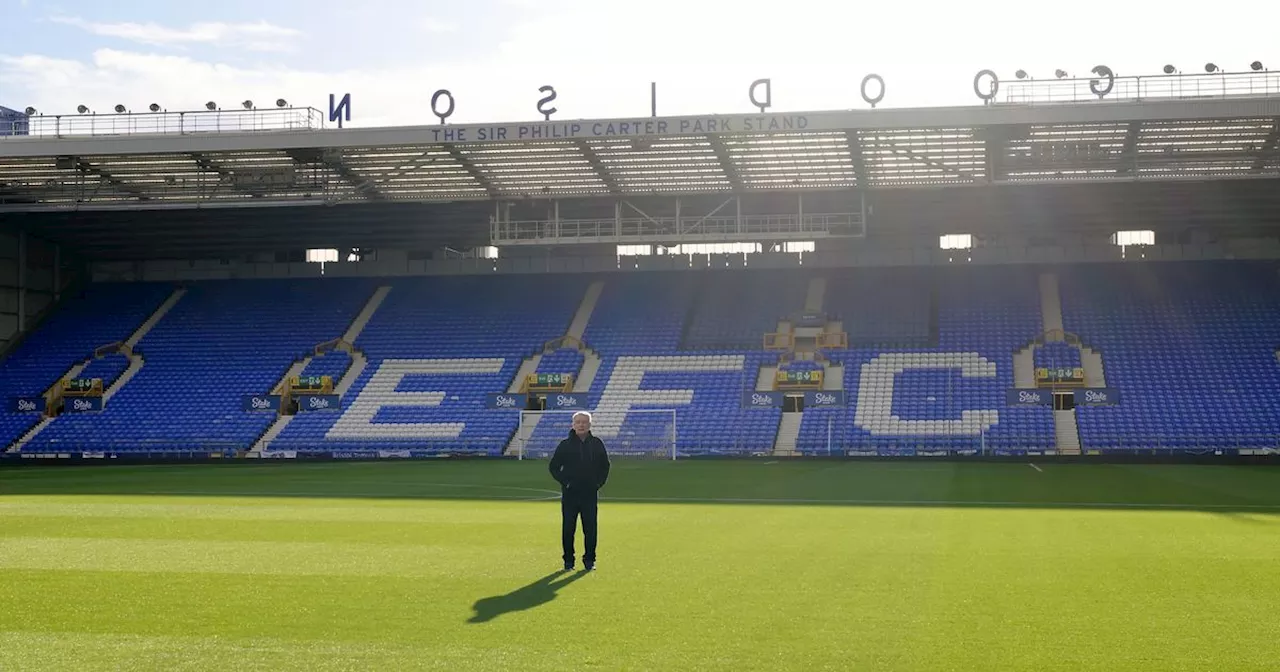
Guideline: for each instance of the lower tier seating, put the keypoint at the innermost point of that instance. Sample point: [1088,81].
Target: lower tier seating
[1189,347]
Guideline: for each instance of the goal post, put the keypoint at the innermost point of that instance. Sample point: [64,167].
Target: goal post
[644,433]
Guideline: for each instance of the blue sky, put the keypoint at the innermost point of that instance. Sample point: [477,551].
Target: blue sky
[599,54]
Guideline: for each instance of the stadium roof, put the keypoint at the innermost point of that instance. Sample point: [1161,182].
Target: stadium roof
[221,183]
[150,161]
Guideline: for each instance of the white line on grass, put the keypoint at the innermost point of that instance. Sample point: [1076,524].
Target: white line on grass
[940,502]
[543,493]
[1033,466]
[694,500]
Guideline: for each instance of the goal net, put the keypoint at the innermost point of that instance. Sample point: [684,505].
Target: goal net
[637,432]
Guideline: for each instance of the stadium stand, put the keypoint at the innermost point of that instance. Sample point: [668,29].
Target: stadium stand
[1057,355]
[637,329]
[102,314]
[562,360]
[108,367]
[883,307]
[1190,346]
[222,340]
[736,308]
[958,402]
[332,363]
[436,348]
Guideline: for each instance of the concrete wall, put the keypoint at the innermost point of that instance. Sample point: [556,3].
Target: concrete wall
[27,283]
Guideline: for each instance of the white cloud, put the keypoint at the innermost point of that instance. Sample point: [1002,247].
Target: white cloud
[259,36]
[436,26]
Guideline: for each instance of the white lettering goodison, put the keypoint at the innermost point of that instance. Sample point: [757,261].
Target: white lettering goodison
[875,395]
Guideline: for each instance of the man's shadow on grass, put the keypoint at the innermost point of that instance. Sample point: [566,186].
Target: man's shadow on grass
[533,595]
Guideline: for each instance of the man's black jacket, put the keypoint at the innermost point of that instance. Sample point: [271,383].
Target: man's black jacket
[580,465]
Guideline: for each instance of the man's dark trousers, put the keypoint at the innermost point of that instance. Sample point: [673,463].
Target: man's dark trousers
[572,505]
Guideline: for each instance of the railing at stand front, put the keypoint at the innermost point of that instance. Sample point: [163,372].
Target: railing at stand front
[1142,87]
[163,123]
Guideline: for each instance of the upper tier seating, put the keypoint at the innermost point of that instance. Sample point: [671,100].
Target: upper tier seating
[737,308]
[951,397]
[1191,348]
[636,327]
[435,348]
[564,360]
[1056,355]
[101,315]
[108,368]
[333,363]
[224,339]
[883,307]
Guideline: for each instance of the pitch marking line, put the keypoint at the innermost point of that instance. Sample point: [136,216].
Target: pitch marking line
[538,494]
[1033,466]
[942,503]
[548,495]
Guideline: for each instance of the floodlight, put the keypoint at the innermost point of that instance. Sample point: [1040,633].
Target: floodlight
[1210,67]
[1060,73]
[81,109]
[211,106]
[1169,69]
[120,109]
[1255,66]
[248,104]
[1021,74]
[281,102]
[31,111]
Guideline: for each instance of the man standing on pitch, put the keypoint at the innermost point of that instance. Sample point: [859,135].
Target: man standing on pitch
[581,466]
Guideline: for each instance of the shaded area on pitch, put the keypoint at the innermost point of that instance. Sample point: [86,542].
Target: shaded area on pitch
[534,595]
[1053,483]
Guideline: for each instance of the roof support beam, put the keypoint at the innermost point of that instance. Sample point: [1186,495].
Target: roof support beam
[915,156]
[1129,155]
[857,158]
[596,164]
[722,155]
[1268,150]
[333,161]
[208,164]
[87,168]
[472,170]
[995,147]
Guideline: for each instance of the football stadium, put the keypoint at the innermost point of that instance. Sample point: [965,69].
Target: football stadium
[985,387]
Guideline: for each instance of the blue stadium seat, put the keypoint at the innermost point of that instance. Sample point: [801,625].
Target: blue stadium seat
[1191,347]
[103,314]
[737,308]
[948,397]
[221,341]
[476,330]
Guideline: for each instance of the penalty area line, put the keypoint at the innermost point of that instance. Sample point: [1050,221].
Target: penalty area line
[1033,466]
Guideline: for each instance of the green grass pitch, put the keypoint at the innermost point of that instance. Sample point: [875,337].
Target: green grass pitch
[703,566]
